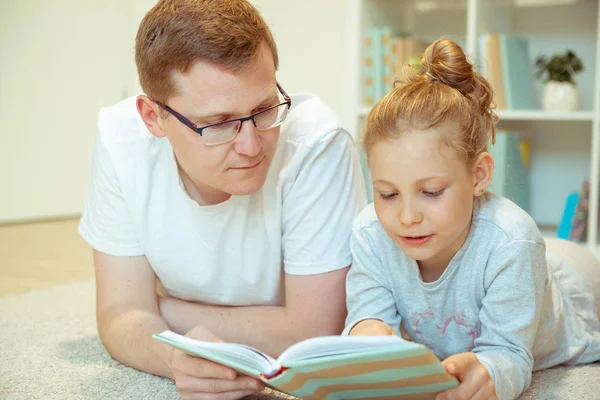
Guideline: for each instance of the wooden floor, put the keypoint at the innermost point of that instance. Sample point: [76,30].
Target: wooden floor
[39,255]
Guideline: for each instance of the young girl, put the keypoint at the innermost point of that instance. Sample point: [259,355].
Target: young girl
[461,270]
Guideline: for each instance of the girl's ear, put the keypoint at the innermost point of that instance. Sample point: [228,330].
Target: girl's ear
[483,171]
[148,110]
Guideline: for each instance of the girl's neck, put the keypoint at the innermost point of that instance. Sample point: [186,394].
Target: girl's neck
[432,269]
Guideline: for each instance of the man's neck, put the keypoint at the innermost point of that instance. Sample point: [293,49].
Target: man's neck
[202,194]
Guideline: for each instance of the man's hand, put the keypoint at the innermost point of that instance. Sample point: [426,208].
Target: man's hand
[372,327]
[197,378]
[475,381]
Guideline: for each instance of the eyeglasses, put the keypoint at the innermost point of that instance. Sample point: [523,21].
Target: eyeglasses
[224,132]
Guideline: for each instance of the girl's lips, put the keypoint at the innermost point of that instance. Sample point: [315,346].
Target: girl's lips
[416,241]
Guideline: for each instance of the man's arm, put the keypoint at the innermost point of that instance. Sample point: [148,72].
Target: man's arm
[315,305]
[127,313]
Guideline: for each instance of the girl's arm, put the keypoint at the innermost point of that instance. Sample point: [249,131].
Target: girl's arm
[515,281]
[368,293]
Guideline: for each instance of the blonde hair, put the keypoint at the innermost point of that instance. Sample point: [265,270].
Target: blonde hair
[445,91]
[174,33]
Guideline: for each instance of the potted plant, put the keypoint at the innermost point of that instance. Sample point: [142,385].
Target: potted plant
[560,90]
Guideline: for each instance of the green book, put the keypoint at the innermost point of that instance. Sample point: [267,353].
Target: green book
[333,367]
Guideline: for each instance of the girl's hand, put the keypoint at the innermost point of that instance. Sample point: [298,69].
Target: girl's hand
[372,327]
[475,381]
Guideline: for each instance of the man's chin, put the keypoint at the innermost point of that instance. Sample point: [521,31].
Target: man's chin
[247,186]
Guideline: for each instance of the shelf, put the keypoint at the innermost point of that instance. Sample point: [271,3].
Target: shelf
[541,115]
[525,115]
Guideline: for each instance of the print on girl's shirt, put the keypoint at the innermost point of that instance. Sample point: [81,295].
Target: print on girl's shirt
[456,334]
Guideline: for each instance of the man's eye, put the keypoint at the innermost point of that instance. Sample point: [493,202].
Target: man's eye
[387,196]
[263,108]
[433,193]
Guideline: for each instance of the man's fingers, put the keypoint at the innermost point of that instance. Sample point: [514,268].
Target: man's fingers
[219,396]
[217,388]
[201,368]
[240,384]
[192,384]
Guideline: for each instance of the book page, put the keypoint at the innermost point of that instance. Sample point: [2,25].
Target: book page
[240,357]
[339,345]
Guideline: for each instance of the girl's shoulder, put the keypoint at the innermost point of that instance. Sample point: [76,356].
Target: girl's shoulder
[366,217]
[367,226]
[502,217]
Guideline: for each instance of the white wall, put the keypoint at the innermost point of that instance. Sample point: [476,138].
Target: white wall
[61,60]
[311,36]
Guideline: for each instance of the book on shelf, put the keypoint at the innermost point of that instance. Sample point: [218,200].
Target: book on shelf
[335,367]
[579,225]
[511,176]
[491,66]
[504,61]
[373,66]
[385,52]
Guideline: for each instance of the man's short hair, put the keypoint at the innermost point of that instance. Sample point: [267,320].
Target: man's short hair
[175,33]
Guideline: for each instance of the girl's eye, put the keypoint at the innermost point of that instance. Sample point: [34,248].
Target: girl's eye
[433,193]
[387,196]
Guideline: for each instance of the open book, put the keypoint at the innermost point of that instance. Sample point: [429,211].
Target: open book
[333,367]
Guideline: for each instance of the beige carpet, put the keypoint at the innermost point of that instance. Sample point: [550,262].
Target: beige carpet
[49,350]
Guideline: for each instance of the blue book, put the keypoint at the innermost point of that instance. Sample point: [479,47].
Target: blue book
[333,367]
[373,65]
[566,223]
[517,73]
[511,177]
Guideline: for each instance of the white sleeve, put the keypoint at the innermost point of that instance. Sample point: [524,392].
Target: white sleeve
[106,223]
[320,205]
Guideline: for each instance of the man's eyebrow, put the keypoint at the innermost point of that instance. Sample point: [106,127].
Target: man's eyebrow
[271,99]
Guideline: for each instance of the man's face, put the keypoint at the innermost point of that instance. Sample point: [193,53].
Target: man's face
[207,95]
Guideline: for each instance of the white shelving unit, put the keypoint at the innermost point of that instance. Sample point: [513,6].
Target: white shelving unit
[565,145]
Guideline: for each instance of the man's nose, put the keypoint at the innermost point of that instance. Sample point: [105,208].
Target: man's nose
[248,141]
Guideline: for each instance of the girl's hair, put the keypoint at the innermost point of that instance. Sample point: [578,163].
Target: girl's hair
[446,90]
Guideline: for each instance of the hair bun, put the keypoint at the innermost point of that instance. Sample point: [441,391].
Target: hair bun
[446,62]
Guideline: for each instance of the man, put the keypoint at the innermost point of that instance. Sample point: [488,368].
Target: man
[238,198]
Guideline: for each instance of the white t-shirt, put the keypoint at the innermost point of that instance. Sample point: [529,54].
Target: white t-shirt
[235,252]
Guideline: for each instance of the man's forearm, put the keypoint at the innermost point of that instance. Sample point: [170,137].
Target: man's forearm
[127,335]
[271,329]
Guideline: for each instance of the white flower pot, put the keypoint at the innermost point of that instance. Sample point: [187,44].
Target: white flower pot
[560,96]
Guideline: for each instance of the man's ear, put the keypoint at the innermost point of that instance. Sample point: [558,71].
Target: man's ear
[148,110]
[483,171]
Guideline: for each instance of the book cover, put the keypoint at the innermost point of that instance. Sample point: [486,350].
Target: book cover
[373,66]
[388,62]
[517,73]
[333,367]
[491,66]
[511,177]
[578,231]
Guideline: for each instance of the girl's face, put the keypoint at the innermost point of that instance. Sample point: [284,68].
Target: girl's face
[423,195]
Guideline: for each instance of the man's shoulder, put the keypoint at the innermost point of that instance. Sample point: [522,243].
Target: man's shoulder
[120,123]
[310,120]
